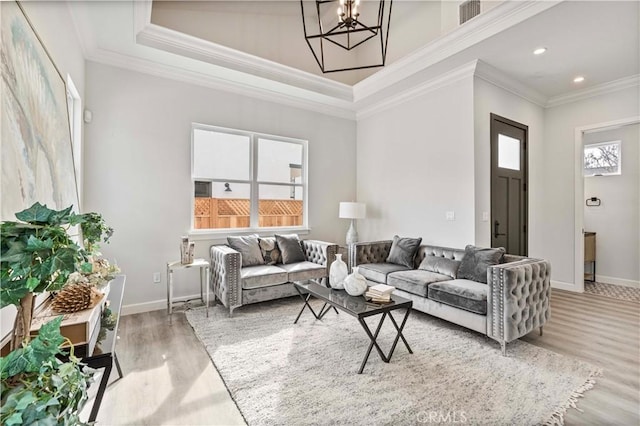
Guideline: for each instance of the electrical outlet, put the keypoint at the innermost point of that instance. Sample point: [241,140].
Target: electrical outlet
[450,215]
[156,277]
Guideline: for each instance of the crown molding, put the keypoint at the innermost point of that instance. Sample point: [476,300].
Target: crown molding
[485,25]
[203,50]
[500,79]
[601,89]
[324,105]
[453,76]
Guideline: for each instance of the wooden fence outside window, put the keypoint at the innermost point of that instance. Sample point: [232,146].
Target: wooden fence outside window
[216,213]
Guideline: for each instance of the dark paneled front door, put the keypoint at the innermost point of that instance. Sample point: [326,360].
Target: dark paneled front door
[509,185]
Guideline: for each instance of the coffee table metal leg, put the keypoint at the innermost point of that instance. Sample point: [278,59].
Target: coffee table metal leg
[373,338]
[399,334]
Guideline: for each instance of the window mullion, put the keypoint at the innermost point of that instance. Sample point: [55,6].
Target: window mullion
[253,218]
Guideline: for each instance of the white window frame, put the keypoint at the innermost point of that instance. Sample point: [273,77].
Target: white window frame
[254,185]
[587,173]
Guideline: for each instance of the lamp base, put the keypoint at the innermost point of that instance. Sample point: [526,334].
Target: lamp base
[352,234]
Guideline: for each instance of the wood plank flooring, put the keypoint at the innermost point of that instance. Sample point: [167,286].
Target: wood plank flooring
[170,380]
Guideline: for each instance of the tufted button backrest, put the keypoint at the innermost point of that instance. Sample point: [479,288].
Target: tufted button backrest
[445,252]
[314,252]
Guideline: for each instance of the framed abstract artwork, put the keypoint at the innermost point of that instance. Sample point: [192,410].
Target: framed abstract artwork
[36,155]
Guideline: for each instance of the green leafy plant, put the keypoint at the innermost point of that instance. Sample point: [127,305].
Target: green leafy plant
[37,387]
[36,255]
[94,231]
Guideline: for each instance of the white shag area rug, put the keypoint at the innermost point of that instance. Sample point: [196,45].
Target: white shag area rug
[279,373]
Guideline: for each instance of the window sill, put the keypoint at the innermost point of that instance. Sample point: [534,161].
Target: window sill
[222,234]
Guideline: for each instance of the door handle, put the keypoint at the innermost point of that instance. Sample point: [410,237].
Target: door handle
[496,234]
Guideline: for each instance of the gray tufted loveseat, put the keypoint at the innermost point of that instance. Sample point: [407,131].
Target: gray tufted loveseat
[235,286]
[514,301]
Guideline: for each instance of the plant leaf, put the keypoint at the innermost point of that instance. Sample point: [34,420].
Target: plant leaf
[36,244]
[37,213]
[60,216]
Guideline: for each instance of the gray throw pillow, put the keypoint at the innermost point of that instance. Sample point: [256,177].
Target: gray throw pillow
[476,260]
[440,265]
[249,249]
[290,248]
[270,251]
[403,250]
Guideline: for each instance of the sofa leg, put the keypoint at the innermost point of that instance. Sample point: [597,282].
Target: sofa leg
[503,346]
[541,330]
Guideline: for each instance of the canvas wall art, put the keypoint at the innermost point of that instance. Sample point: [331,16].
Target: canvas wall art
[35,146]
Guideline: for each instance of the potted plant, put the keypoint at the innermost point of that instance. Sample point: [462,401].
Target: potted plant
[37,254]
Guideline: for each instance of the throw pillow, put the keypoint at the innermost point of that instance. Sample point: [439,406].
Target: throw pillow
[440,265]
[290,248]
[476,260]
[249,249]
[270,251]
[403,250]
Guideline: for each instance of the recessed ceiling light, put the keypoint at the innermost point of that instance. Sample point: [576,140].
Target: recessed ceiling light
[539,50]
[578,79]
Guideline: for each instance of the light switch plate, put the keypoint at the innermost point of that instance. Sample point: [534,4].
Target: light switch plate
[156,277]
[485,216]
[450,215]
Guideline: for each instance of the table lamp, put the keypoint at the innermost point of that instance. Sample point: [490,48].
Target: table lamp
[353,211]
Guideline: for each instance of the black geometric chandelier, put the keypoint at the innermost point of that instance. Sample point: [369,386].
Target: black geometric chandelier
[334,28]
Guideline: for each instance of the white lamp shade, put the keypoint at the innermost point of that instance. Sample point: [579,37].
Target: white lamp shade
[350,210]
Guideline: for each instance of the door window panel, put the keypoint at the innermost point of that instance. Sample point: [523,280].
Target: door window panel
[508,152]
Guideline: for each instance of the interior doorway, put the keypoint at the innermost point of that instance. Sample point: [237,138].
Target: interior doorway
[581,198]
[509,179]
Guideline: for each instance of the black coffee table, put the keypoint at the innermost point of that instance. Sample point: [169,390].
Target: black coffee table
[358,307]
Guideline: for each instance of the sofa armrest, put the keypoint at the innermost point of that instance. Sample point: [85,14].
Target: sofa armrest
[320,252]
[225,275]
[370,252]
[518,300]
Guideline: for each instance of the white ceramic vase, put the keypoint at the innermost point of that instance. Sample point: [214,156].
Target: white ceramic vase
[355,284]
[337,273]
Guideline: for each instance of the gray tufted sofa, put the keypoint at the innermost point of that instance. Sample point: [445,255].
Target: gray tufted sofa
[514,302]
[235,286]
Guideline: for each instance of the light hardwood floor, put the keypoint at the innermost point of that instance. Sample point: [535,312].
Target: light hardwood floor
[169,378]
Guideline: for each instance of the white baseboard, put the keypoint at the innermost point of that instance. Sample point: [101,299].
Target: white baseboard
[565,286]
[617,281]
[155,305]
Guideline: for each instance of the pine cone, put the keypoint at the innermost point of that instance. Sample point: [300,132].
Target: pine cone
[72,298]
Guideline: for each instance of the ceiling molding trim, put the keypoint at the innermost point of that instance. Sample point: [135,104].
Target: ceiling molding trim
[500,79]
[601,89]
[195,48]
[453,76]
[141,16]
[329,106]
[487,24]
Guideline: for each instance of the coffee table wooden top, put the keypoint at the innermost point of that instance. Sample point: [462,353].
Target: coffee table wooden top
[356,306]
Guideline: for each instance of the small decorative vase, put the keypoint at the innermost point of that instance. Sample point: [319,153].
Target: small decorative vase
[337,273]
[355,284]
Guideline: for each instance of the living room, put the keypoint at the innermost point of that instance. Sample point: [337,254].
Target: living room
[410,140]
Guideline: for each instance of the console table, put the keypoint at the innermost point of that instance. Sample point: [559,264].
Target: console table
[104,353]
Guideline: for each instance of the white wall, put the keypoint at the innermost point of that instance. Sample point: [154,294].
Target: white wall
[138,168]
[416,162]
[558,216]
[54,26]
[616,221]
[488,99]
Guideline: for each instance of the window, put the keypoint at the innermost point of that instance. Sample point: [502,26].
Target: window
[247,180]
[602,159]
